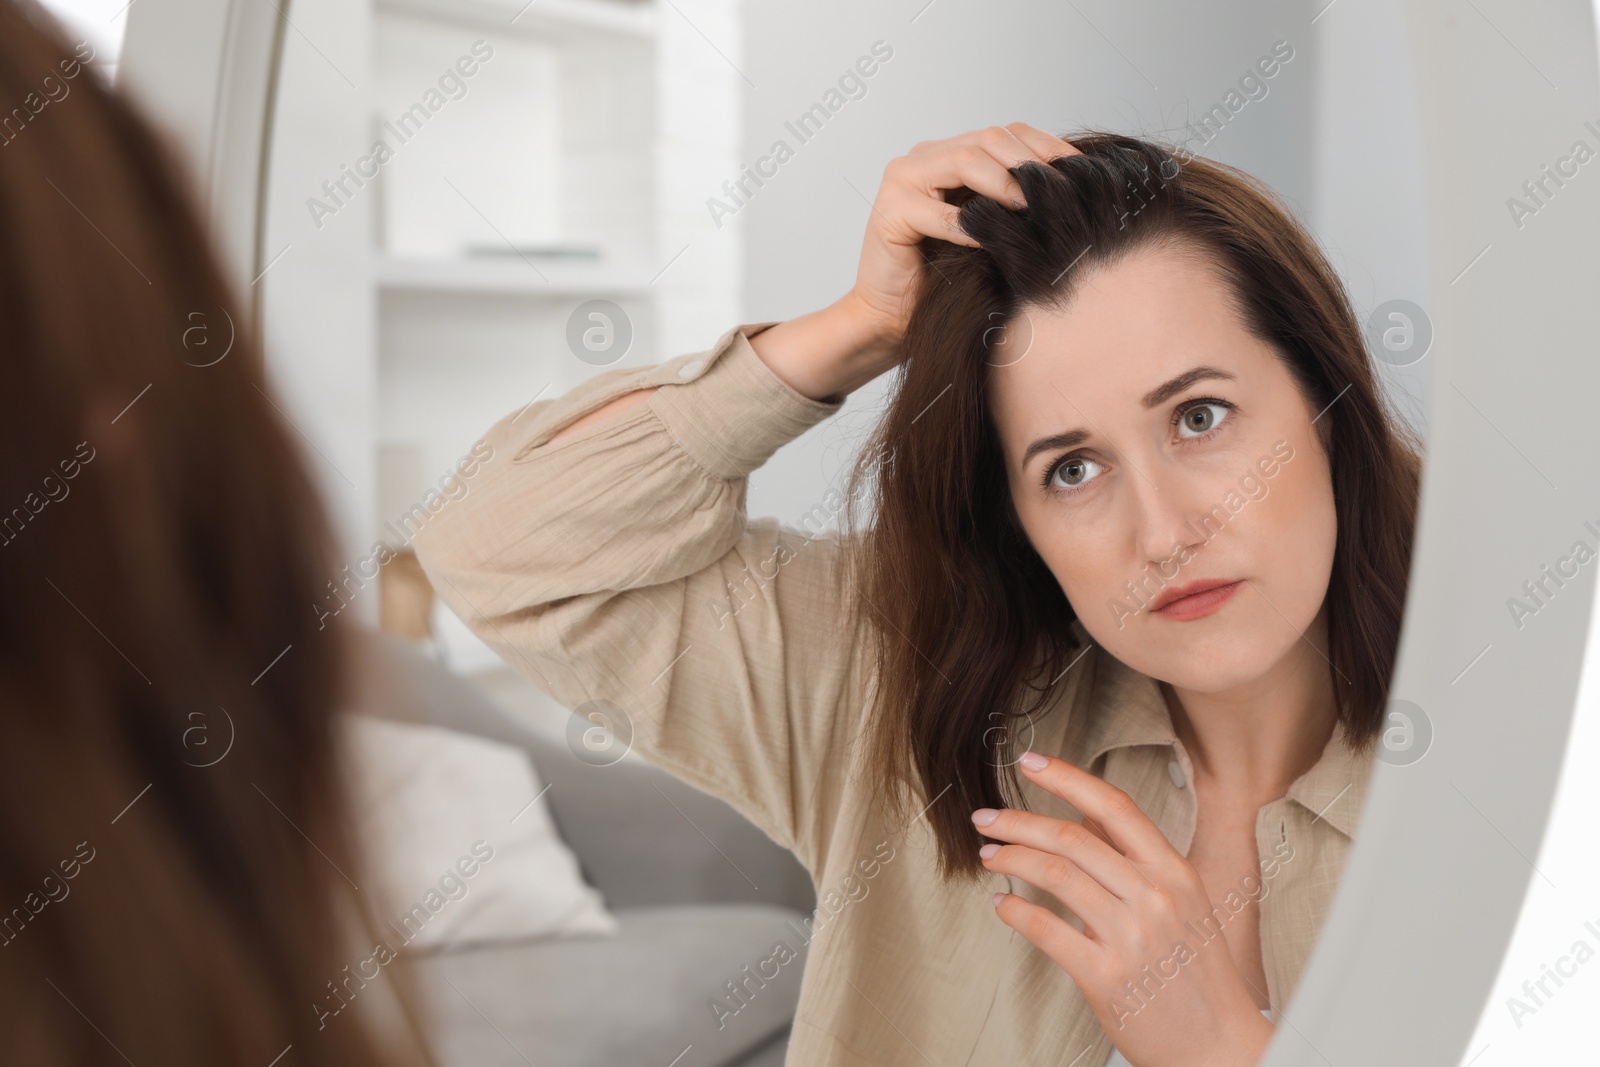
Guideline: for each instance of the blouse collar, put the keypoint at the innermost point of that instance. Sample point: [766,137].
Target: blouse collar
[1126,708]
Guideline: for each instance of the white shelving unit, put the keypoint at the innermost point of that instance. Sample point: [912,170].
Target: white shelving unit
[598,127]
[548,18]
[507,275]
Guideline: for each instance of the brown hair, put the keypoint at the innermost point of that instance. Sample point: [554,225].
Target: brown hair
[966,617]
[171,812]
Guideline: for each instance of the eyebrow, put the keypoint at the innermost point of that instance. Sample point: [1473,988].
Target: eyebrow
[1154,398]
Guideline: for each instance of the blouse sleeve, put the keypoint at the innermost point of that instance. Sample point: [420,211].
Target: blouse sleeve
[618,572]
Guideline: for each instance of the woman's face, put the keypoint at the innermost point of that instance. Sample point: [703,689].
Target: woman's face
[1190,456]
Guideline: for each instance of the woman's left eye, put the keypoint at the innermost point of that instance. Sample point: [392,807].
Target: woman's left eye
[1200,418]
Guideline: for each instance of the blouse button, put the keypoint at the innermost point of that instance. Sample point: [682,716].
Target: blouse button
[1175,772]
[691,368]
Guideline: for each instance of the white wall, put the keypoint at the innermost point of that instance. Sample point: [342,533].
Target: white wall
[697,114]
[1368,207]
[100,22]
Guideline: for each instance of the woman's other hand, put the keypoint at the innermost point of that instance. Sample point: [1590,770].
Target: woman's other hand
[829,353]
[1167,997]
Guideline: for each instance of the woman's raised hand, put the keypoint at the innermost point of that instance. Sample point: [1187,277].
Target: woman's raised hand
[831,352]
[911,204]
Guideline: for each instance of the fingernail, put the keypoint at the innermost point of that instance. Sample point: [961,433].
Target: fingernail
[988,851]
[995,900]
[984,816]
[1033,761]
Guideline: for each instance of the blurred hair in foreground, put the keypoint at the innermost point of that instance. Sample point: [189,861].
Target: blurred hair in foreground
[171,811]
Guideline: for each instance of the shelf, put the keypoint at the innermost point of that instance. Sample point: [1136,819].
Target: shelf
[508,275]
[558,19]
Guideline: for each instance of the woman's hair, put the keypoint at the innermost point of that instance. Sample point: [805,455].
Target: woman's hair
[171,809]
[967,620]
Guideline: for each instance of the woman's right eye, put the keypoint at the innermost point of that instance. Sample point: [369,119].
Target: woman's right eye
[1074,472]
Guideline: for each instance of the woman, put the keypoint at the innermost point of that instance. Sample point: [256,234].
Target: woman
[1139,508]
[175,841]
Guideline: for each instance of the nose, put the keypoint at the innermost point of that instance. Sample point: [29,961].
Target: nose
[1169,515]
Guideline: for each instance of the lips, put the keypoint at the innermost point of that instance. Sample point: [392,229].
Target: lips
[1174,593]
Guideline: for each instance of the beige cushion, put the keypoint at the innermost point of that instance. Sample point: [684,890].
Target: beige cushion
[458,846]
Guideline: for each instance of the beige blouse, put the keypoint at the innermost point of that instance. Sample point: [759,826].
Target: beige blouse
[619,566]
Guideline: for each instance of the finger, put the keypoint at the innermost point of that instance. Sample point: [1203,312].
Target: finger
[1132,832]
[1046,146]
[928,215]
[1096,829]
[1077,843]
[979,161]
[1066,881]
[1004,145]
[1072,951]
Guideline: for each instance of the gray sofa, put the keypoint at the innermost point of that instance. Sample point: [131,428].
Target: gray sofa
[699,891]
